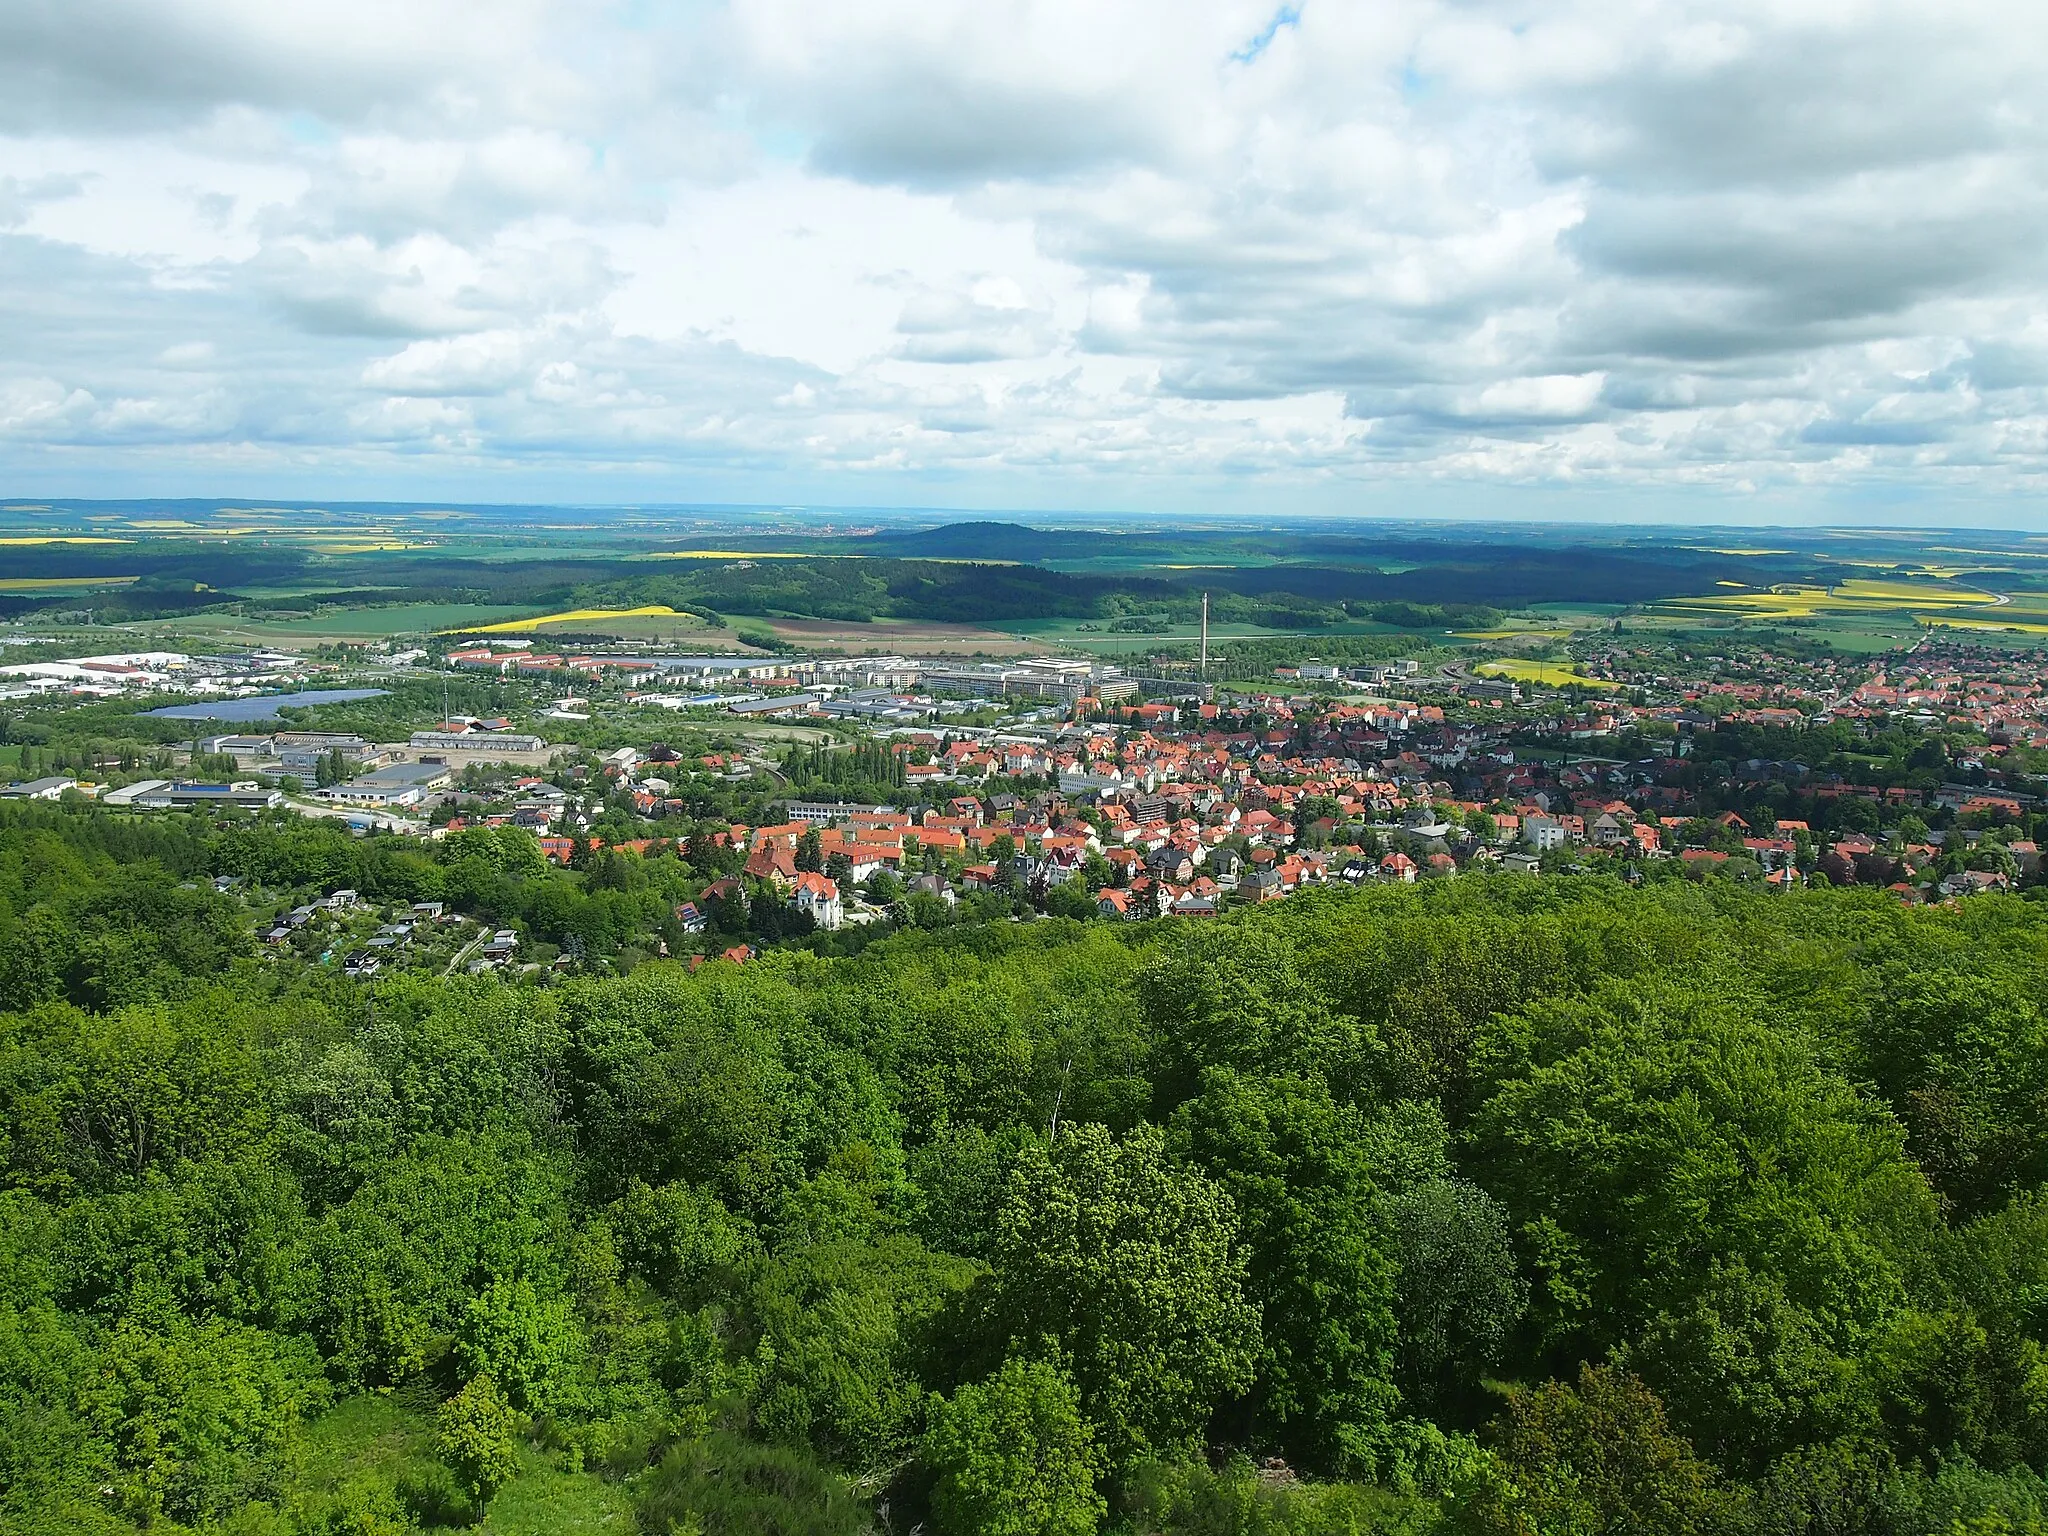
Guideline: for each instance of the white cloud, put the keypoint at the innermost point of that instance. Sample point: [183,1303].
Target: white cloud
[987,320]
[867,249]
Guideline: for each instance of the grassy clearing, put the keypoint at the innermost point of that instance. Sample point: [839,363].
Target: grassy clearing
[373,1433]
[544,1500]
[375,1438]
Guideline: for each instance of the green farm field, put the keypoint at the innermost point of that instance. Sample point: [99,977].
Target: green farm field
[214,573]
[1095,635]
[353,625]
[1864,615]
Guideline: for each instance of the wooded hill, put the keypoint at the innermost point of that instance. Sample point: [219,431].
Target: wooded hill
[958,573]
[1492,1205]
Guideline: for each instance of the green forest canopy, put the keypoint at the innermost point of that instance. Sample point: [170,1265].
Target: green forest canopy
[1495,1205]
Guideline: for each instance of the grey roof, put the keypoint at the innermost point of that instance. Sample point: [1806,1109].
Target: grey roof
[401,775]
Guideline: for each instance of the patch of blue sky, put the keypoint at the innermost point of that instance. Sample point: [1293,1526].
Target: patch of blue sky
[309,128]
[1286,16]
[781,142]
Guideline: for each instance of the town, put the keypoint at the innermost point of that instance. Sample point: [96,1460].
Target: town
[749,801]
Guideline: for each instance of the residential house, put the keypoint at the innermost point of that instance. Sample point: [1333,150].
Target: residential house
[818,896]
[774,862]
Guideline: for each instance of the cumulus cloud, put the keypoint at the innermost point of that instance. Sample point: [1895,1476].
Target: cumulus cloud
[19,195]
[990,320]
[857,243]
[139,64]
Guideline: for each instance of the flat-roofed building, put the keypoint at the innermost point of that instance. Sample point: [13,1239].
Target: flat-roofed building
[244,794]
[475,741]
[39,789]
[236,746]
[824,813]
[131,794]
[401,784]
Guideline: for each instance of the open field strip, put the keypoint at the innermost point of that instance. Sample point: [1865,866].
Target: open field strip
[811,554]
[363,623]
[1512,634]
[740,554]
[332,547]
[1908,593]
[1522,670]
[2010,626]
[678,629]
[61,538]
[1855,597]
[894,635]
[573,616]
[60,583]
[1789,603]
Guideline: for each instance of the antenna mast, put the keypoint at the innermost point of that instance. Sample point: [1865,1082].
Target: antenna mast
[1205,637]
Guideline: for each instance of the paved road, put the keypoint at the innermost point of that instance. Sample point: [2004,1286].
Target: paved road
[346,813]
[468,950]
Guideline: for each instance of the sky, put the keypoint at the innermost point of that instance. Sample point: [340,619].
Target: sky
[1746,260]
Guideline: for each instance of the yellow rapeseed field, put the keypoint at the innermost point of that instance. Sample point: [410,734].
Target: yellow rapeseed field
[572,616]
[64,538]
[1946,621]
[1914,593]
[58,583]
[1556,675]
[1859,596]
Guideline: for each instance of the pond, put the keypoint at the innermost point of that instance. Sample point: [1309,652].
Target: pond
[263,706]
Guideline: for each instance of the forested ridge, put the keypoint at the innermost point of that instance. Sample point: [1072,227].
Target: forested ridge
[1496,1205]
